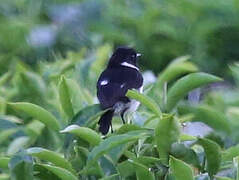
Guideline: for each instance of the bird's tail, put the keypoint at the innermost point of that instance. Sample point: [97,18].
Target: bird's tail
[105,121]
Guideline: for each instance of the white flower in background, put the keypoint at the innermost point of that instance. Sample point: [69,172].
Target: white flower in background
[149,77]
[42,36]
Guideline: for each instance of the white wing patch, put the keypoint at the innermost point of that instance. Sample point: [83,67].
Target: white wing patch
[129,65]
[122,85]
[141,89]
[104,82]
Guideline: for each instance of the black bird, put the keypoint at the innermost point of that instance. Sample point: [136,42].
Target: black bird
[121,74]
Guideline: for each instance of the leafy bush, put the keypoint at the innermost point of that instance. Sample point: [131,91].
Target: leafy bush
[206,30]
[49,127]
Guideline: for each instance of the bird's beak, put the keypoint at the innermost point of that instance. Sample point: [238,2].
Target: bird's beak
[138,55]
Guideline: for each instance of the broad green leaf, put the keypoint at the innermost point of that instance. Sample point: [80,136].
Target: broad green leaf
[213,155]
[34,128]
[85,133]
[185,85]
[38,113]
[83,116]
[146,160]
[65,97]
[145,100]
[43,173]
[175,70]
[166,133]
[151,122]
[107,166]
[21,167]
[50,156]
[18,144]
[125,168]
[222,178]
[4,162]
[77,97]
[142,172]
[112,142]
[127,128]
[186,137]
[180,169]
[6,133]
[186,154]
[33,83]
[230,153]
[60,172]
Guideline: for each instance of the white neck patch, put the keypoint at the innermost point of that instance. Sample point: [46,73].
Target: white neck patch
[129,65]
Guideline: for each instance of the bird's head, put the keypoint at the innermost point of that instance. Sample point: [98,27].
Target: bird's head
[124,56]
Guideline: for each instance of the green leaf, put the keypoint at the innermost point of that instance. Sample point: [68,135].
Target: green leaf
[50,156]
[166,133]
[60,172]
[146,160]
[175,70]
[21,167]
[107,166]
[127,128]
[186,154]
[4,162]
[185,85]
[83,117]
[213,155]
[33,83]
[125,169]
[78,98]
[43,173]
[38,113]
[145,100]
[142,172]
[230,153]
[6,133]
[112,142]
[18,144]
[34,128]
[85,133]
[180,169]
[65,97]
[186,137]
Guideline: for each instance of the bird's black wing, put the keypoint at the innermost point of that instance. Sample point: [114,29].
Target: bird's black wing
[114,83]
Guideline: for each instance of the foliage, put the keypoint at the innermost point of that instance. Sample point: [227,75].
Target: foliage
[161,30]
[51,132]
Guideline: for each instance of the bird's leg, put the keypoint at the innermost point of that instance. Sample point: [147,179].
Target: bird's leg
[122,115]
[111,127]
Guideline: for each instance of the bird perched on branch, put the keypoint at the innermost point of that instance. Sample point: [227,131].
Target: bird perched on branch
[121,74]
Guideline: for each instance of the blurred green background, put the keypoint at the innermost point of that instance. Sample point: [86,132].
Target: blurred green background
[207,30]
[53,51]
